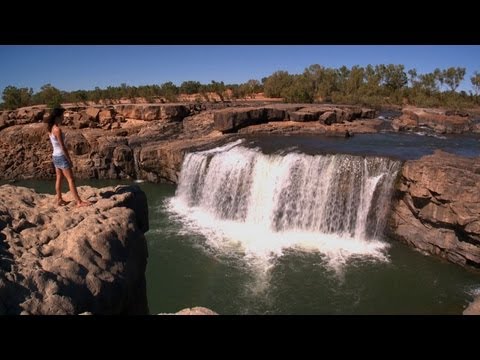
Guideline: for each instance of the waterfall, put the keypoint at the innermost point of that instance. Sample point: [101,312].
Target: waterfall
[336,204]
[136,167]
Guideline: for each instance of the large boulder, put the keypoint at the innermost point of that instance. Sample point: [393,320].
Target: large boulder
[69,260]
[93,113]
[174,112]
[437,207]
[167,112]
[198,125]
[404,123]
[232,119]
[306,114]
[76,143]
[437,120]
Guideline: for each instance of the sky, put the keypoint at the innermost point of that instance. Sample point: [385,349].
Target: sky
[75,67]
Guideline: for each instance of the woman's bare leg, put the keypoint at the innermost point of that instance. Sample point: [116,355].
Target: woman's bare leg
[68,173]
[58,187]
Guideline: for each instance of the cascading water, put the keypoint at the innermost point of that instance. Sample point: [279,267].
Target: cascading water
[136,166]
[334,204]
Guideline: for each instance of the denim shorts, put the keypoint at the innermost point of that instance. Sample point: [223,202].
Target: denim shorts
[61,162]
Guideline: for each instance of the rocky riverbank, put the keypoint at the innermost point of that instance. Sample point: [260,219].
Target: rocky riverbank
[148,140]
[437,207]
[439,121]
[68,260]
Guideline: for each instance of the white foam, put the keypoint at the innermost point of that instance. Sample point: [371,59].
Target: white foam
[474,291]
[259,245]
[253,206]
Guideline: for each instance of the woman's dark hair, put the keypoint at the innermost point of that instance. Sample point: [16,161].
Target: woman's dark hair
[56,112]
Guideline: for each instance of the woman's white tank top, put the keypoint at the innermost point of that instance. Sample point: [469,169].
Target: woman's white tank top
[57,149]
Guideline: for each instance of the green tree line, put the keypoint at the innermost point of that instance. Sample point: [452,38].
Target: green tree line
[371,85]
[374,86]
[49,95]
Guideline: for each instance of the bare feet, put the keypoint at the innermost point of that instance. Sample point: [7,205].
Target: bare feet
[62,202]
[83,203]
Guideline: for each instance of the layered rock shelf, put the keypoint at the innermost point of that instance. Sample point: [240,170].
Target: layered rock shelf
[439,121]
[437,207]
[148,140]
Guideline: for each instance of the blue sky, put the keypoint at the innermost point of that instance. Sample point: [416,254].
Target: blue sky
[73,67]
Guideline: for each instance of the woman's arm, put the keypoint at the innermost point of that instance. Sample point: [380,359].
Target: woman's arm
[58,133]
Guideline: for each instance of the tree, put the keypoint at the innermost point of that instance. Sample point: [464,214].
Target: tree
[343,73]
[412,73]
[453,77]
[427,83]
[276,82]
[253,87]
[169,90]
[328,84]
[373,77]
[316,74]
[14,97]
[439,77]
[190,87]
[49,95]
[299,91]
[355,80]
[218,88]
[394,77]
[96,95]
[475,79]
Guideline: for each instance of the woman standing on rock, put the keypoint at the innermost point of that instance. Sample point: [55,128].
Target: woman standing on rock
[61,158]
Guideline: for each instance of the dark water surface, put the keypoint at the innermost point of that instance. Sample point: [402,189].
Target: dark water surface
[402,146]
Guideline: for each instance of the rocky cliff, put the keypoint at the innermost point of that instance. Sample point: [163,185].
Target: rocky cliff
[437,207]
[69,260]
[148,141]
